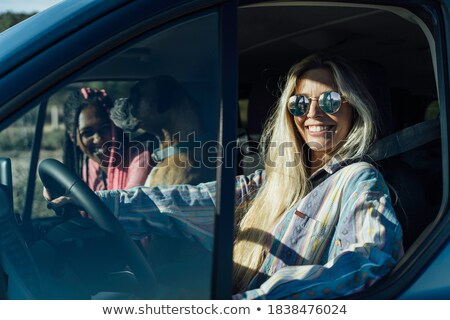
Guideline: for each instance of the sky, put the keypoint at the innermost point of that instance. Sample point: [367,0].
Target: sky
[26,5]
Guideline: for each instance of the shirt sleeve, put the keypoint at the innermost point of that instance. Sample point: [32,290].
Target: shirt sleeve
[177,211]
[365,246]
[248,186]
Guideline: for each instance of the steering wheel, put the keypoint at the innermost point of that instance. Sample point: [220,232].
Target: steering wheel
[58,180]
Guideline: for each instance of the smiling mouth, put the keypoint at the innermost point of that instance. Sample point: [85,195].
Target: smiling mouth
[318,129]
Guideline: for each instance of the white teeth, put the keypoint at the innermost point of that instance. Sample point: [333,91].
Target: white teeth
[319,128]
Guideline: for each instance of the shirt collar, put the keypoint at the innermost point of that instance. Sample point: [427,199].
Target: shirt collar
[330,167]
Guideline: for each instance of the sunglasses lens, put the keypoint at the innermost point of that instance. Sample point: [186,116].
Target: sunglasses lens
[298,105]
[330,102]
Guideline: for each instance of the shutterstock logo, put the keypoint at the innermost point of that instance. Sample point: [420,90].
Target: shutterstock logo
[195,152]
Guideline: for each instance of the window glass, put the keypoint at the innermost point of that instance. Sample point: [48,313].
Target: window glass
[16,142]
[167,83]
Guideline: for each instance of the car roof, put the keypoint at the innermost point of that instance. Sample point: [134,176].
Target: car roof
[38,32]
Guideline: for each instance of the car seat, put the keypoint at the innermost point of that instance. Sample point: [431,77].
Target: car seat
[425,160]
[406,189]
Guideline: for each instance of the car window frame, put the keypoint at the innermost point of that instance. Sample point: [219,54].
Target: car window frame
[224,224]
[436,235]
[435,17]
[72,65]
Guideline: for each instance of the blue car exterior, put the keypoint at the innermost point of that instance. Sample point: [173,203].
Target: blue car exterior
[52,46]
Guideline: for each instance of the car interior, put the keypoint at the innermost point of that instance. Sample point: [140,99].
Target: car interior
[392,47]
[391,51]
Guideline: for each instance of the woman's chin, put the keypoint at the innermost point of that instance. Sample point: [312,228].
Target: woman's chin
[319,146]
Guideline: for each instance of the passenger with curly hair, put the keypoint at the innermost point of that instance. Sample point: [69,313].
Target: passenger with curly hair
[96,149]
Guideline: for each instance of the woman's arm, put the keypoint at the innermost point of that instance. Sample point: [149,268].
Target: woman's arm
[177,211]
[181,210]
[248,186]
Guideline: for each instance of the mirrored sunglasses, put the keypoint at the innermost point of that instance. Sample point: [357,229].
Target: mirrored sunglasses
[329,102]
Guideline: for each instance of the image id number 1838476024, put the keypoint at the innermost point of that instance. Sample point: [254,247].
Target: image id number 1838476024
[307,309]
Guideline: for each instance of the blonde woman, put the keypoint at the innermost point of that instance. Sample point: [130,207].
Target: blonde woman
[317,222]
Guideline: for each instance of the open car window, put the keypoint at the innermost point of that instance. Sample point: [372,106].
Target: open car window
[395,52]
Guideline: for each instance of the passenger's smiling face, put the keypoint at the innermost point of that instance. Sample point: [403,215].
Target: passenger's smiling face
[322,132]
[94,130]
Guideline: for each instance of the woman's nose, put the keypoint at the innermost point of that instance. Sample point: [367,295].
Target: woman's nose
[314,109]
[97,138]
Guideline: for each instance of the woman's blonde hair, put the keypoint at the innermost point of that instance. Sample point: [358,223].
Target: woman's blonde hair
[285,161]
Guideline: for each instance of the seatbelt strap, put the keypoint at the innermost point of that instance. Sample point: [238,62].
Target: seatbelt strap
[404,140]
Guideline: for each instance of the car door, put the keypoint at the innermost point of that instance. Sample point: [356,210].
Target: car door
[115,47]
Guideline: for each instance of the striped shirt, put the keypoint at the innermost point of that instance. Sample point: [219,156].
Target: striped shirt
[339,239]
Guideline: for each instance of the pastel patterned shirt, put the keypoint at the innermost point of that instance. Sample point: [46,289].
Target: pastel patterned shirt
[339,239]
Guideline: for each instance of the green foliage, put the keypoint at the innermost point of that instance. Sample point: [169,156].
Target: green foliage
[22,139]
[8,19]
[53,140]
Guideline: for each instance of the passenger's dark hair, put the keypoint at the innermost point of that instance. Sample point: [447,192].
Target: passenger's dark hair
[77,100]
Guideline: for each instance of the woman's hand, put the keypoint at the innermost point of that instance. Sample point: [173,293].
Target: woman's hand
[56,202]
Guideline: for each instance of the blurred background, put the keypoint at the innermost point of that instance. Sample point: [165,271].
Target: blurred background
[14,11]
